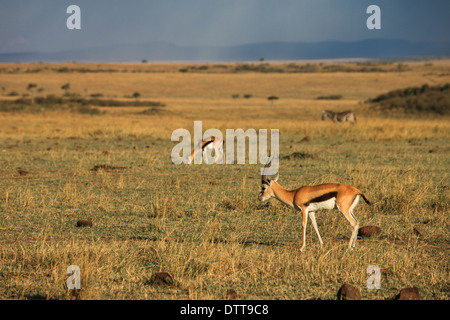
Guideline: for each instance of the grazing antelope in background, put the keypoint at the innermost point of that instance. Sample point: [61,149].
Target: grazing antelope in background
[209,143]
[309,199]
[345,116]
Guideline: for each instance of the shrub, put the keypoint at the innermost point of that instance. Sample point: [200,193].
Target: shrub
[330,97]
[136,95]
[52,99]
[86,110]
[298,155]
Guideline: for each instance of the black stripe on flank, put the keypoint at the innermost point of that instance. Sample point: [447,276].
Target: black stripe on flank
[322,198]
[204,146]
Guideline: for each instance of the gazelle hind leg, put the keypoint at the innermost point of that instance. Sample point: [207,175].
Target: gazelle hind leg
[354,223]
[312,216]
[356,227]
[352,243]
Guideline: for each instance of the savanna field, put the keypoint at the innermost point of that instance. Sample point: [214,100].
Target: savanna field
[95,145]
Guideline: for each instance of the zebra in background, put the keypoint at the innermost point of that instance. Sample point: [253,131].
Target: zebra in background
[345,116]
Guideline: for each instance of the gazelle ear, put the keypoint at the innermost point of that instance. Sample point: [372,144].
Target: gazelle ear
[276,178]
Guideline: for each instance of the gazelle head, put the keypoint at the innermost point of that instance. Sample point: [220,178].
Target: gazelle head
[266,186]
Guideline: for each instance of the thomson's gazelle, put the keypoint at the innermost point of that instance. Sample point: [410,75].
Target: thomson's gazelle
[309,199]
[209,143]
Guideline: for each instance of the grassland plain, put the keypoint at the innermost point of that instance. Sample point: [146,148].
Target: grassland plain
[203,223]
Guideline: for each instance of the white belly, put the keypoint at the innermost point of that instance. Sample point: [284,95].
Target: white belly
[324,205]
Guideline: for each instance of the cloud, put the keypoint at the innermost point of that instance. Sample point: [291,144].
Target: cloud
[41,24]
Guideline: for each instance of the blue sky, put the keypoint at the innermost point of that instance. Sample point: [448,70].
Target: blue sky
[40,25]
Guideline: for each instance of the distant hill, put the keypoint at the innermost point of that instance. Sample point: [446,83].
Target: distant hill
[163,51]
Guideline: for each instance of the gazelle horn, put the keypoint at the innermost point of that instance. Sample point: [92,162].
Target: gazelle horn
[264,176]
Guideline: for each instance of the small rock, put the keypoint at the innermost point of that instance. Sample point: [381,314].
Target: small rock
[231,294]
[84,223]
[348,292]
[408,294]
[161,279]
[305,139]
[22,172]
[418,231]
[368,231]
[107,168]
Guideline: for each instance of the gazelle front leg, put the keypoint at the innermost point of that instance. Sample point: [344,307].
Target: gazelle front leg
[205,156]
[219,153]
[304,223]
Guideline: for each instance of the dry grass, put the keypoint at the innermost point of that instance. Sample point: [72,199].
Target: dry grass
[203,223]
